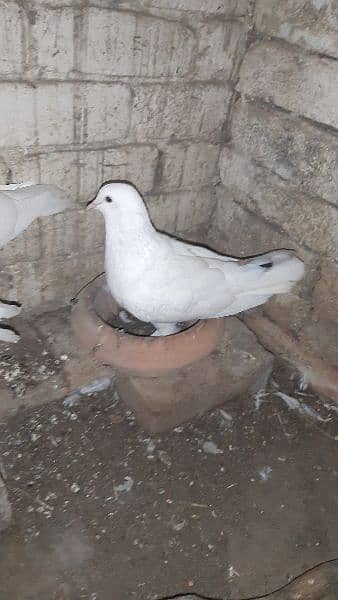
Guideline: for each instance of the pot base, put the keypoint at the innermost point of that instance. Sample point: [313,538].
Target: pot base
[237,366]
[169,380]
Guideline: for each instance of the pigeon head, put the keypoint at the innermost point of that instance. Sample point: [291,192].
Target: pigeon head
[118,198]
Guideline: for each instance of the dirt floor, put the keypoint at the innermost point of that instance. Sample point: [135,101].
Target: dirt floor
[233,505]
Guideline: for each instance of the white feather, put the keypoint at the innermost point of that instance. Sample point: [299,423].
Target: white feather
[165,281]
[20,205]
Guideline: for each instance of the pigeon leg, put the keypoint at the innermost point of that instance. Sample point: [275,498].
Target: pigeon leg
[163,329]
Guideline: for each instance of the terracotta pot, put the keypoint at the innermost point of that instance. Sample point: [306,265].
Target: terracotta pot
[140,355]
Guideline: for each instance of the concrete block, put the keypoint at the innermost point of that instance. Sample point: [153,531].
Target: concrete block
[181,211]
[293,149]
[22,166]
[229,8]
[60,235]
[53,41]
[179,110]
[163,211]
[106,111]
[189,165]
[91,231]
[325,293]
[319,338]
[128,44]
[304,84]
[289,311]
[54,109]
[229,222]
[11,39]
[134,163]
[17,122]
[307,220]
[310,24]
[221,45]
[26,247]
[60,168]
[90,169]
[238,365]
[194,208]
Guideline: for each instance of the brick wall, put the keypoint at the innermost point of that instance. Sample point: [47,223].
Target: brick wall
[279,171]
[92,91]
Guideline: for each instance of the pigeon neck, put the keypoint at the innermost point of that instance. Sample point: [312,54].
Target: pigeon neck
[129,229]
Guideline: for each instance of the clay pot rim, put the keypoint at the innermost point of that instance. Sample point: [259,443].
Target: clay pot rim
[145,356]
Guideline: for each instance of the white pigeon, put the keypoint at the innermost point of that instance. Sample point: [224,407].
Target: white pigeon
[20,205]
[165,281]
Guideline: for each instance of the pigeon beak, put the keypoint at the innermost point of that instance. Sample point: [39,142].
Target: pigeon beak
[91,204]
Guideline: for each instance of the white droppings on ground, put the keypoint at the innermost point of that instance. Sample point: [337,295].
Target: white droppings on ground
[176,524]
[211,448]
[72,399]
[265,473]
[294,404]
[227,417]
[331,407]
[303,383]
[150,447]
[94,387]
[259,398]
[164,458]
[126,486]
[232,572]
[98,385]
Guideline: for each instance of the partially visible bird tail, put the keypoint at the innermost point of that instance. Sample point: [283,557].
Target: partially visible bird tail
[272,273]
[260,278]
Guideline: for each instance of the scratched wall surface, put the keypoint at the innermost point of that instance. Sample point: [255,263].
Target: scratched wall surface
[279,170]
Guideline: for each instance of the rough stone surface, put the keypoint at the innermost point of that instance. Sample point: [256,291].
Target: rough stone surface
[214,7]
[294,149]
[220,45]
[326,291]
[160,47]
[177,211]
[11,39]
[238,364]
[279,170]
[134,163]
[189,165]
[302,83]
[179,111]
[312,24]
[307,220]
[52,42]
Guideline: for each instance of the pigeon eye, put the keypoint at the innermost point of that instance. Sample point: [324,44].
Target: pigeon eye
[108,199]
